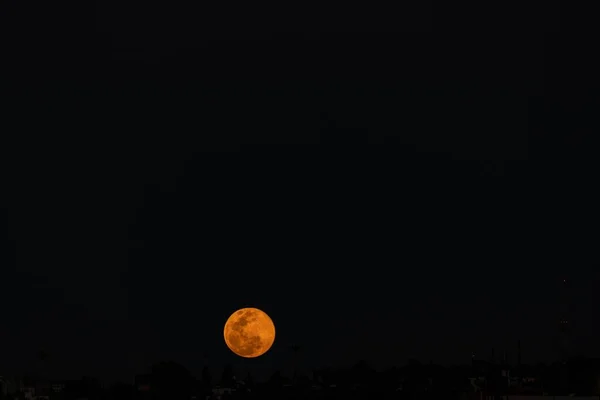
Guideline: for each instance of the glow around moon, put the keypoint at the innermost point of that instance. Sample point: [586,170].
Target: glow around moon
[249,332]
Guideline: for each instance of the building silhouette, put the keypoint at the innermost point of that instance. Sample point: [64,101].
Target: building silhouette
[565,321]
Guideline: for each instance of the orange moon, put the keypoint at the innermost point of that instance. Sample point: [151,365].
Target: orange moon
[249,332]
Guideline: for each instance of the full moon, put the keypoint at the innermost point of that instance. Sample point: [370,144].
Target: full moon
[249,332]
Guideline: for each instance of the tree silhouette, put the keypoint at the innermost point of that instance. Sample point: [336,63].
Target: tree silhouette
[172,381]
[276,379]
[43,357]
[362,374]
[3,388]
[206,377]
[227,377]
[121,391]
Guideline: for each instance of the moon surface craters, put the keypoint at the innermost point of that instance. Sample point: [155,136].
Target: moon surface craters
[249,332]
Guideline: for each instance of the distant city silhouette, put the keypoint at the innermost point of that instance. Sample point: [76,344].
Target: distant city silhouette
[576,377]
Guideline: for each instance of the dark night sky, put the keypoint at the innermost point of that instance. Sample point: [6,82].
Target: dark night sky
[170,172]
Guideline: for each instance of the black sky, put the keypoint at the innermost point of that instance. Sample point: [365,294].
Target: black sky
[373,191]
